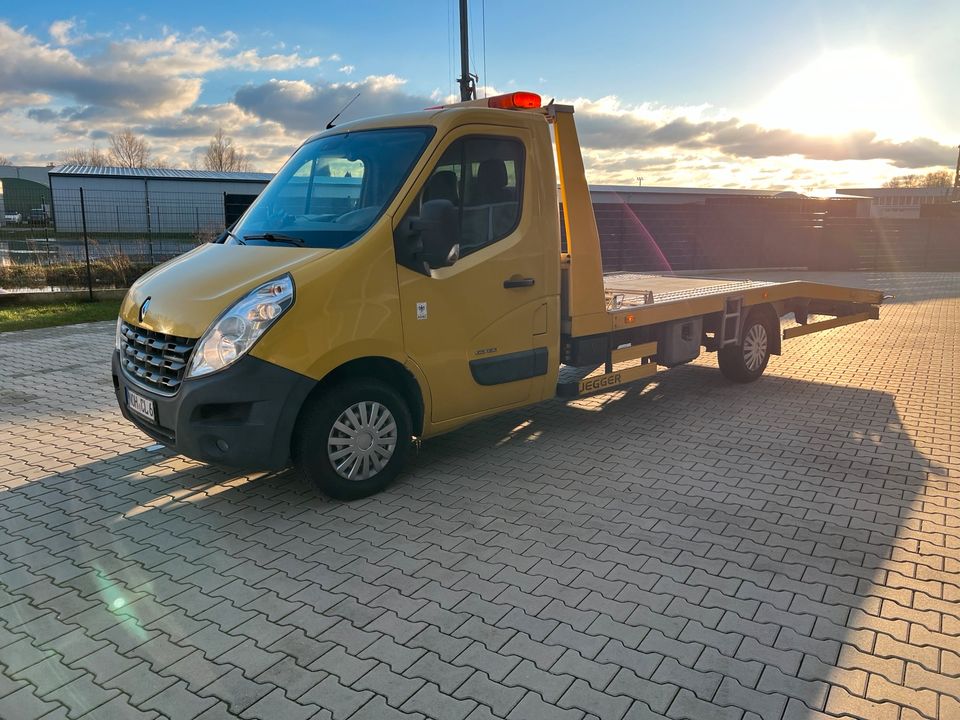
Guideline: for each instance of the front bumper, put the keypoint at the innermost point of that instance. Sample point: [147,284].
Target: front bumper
[242,416]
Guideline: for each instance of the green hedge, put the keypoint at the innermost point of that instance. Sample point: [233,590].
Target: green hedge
[117,272]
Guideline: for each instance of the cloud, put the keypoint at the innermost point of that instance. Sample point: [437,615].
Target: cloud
[69,88]
[42,115]
[306,107]
[142,77]
[252,60]
[199,54]
[17,100]
[63,32]
[30,67]
[606,126]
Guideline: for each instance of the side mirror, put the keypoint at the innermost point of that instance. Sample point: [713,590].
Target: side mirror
[433,239]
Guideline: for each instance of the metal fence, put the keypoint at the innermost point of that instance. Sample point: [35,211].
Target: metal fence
[99,238]
[102,238]
[768,233]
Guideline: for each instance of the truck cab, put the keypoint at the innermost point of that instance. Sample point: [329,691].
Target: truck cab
[414,258]
[398,278]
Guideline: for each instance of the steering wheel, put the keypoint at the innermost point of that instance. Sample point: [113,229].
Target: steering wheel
[277,217]
[358,217]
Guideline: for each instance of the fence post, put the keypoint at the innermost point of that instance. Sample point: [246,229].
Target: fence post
[695,255]
[146,201]
[86,243]
[623,234]
[926,245]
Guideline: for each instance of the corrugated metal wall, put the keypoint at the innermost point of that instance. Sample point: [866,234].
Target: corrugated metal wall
[142,205]
[767,234]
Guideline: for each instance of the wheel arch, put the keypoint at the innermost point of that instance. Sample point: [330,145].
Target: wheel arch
[377,368]
[768,312]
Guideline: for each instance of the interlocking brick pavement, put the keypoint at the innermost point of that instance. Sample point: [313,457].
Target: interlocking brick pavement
[689,549]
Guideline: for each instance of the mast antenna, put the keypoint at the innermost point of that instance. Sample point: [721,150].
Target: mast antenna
[468,81]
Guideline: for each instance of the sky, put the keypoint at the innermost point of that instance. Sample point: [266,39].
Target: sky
[805,96]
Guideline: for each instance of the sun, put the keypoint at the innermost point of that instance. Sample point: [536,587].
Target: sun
[847,90]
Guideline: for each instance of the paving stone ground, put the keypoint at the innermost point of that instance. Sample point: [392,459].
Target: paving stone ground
[689,549]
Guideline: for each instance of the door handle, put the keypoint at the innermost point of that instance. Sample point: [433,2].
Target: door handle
[518,282]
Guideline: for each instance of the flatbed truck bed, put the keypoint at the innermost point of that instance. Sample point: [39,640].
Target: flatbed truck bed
[644,310]
[641,289]
[659,298]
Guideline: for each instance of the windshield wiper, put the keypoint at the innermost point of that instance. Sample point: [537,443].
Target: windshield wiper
[239,241]
[276,237]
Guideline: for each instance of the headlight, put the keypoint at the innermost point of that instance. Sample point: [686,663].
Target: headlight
[117,334]
[236,330]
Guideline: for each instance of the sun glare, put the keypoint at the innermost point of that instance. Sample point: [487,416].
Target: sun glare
[848,90]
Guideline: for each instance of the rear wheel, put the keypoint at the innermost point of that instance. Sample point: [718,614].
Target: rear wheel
[746,361]
[354,439]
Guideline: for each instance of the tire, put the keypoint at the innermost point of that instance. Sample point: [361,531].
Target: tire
[746,361]
[345,466]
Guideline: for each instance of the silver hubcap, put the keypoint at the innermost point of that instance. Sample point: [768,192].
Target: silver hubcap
[362,440]
[755,347]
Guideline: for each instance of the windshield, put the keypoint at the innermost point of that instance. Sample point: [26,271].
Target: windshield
[332,189]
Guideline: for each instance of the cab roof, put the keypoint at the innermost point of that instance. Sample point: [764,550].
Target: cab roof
[483,110]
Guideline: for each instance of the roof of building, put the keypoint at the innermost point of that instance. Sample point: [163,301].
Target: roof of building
[883,191]
[34,173]
[661,190]
[161,173]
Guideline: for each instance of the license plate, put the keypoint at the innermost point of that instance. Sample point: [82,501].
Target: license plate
[141,406]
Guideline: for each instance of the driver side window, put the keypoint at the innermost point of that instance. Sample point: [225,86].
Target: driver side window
[483,178]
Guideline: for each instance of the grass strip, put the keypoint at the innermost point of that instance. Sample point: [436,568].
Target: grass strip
[27,317]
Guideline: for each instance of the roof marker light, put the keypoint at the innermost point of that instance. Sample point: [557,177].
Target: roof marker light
[515,101]
[511,101]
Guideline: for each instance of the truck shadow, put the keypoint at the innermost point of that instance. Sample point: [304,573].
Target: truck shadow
[790,511]
[810,502]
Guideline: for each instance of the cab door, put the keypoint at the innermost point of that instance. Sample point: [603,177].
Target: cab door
[471,327]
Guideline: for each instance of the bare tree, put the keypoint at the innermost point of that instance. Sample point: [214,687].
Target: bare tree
[129,150]
[91,156]
[223,155]
[5,160]
[936,179]
[161,162]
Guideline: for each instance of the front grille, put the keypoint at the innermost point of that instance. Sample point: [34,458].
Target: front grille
[156,360]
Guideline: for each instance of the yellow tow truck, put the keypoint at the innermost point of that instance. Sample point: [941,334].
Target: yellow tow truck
[402,276]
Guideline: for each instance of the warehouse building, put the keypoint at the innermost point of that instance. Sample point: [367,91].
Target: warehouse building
[150,200]
[25,189]
[902,203]
[657,195]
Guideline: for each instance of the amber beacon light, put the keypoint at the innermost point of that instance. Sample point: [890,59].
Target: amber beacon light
[515,101]
[520,100]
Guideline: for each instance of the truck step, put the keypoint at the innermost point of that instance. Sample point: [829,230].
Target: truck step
[730,322]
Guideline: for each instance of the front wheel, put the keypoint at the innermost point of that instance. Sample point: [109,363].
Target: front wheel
[746,361]
[354,439]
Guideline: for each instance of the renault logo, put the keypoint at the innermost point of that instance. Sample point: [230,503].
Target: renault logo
[144,308]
